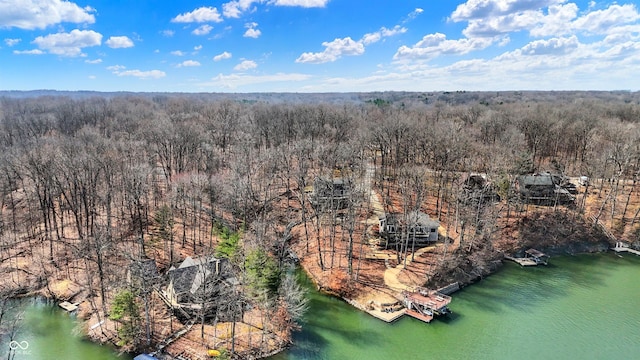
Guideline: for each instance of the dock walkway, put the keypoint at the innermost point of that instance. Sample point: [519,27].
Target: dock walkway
[522,261]
[622,247]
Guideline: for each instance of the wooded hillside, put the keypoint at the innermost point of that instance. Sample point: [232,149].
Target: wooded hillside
[90,186]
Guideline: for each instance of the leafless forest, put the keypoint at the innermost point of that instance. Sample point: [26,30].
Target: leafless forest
[92,184]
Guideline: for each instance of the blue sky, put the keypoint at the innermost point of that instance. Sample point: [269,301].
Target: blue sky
[319,45]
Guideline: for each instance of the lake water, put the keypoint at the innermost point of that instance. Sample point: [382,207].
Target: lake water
[48,332]
[582,307]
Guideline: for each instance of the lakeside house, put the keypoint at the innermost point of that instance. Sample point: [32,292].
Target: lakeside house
[197,281]
[542,189]
[416,225]
[333,193]
[476,188]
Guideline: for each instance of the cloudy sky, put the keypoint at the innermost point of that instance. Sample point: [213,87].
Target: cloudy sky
[319,45]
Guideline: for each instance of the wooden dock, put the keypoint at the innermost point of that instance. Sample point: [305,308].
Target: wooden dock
[386,316]
[424,304]
[532,257]
[622,247]
[69,306]
[522,261]
[420,316]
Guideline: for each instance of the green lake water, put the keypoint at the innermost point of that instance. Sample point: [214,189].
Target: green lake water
[582,307]
[49,333]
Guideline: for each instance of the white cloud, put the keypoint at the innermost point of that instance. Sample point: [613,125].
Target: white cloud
[197,47]
[301,3]
[374,37]
[337,48]
[234,9]
[92,77]
[601,21]
[119,42]
[28,52]
[116,68]
[189,63]
[177,53]
[39,14]
[68,44]
[555,46]
[252,32]
[541,18]
[202,29]
[12,42]
[500,25]
[414,14]
[433,45]
[168,33]
[557,22]
[246,65]
[233,81]
[199,15]
[483,9]
[96,61]
[224,56]
[151,74]
[333,51]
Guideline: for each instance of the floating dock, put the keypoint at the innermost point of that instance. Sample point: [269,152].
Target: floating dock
[69,306]
[532,257]
[387,316]
[622,247]
[522,261]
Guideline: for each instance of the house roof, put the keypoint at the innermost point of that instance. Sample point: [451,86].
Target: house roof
[192,273]
[536,180]
[413,218]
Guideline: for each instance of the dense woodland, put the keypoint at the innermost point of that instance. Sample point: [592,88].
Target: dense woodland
[91,185]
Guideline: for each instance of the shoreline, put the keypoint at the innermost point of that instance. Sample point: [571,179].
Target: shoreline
[53,300]
[585,247]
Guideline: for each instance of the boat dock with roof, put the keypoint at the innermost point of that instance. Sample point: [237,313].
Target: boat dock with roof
[424,304]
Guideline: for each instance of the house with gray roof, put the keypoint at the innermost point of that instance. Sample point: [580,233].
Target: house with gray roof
[416,225]
[198,280]
[542,189]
